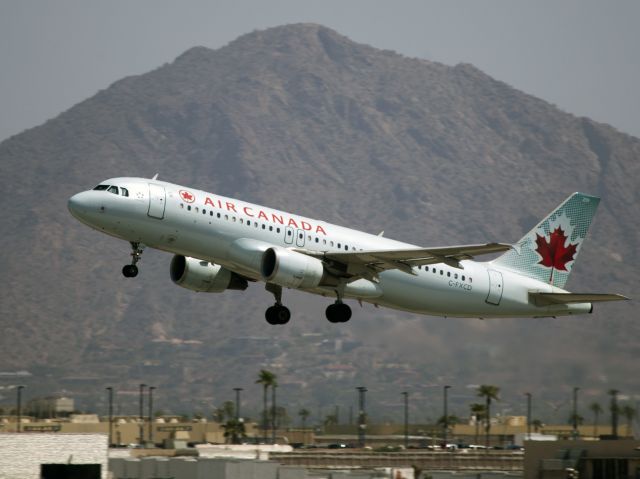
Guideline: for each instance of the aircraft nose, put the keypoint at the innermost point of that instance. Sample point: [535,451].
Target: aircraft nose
[76,204]
[82,205]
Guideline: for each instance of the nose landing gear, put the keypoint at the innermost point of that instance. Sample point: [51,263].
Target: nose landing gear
[131,270]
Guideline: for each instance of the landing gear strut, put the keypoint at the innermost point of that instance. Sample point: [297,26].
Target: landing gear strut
[277,314]
[131,270]
[338,312]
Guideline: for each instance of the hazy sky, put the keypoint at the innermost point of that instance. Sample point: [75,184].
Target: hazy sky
[582,55]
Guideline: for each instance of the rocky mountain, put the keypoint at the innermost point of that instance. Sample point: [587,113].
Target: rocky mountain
[301,118]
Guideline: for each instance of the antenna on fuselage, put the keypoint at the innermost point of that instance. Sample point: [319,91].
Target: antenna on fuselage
[155,177]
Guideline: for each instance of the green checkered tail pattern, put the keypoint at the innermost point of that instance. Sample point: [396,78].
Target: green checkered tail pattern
[549,251]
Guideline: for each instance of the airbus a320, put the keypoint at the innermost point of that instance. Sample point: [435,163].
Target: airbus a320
[223,243]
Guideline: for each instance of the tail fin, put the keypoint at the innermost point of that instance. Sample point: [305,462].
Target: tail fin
[549,251]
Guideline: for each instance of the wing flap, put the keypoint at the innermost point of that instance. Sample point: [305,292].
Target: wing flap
[545,299]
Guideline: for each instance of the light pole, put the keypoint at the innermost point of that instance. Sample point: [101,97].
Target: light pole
[406,419]
[528,416]
[273,414]
[151,388]
[575,413]
[446,414]
[614,412]
[237,425]
[19,407]
[110,399]
[362,418]
[141,425]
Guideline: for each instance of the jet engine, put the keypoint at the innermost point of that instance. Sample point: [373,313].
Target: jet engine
[202,276]
[291,269]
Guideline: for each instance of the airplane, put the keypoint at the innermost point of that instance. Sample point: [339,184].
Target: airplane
[222,243]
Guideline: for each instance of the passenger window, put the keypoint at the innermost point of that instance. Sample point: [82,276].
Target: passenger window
[210,213]
[113,189]
[324,241]
[455,276]
[255,223]
[188,207]
[182,205]
[124,191]
[204,212]
[248,222]
[317,240]
[197,209]
[226,217]
[234,218]
[449,274]
[278,230]
[470,279]
[463,277]
[300,236]
[339,246]
[219,215]
[264,227]
[441,273]
[332,243]
[241,220]
[289,233]
[270,228]
[346,247]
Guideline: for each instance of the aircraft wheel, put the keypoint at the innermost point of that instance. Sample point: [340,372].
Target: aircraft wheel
[277,314]
[338,313]
[130,271]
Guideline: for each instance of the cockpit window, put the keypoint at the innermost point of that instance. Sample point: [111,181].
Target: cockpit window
[124,191]
[101,187]
[114,190]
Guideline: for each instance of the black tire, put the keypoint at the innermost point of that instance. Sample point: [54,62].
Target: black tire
[344,312]
[130,271]
[283,314]
[338,313]
[271,315]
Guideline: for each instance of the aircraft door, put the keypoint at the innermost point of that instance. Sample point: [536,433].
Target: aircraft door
[288,234]
[300,238]
[157,200]
[495,287]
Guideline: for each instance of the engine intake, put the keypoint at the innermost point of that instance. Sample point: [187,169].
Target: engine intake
[291,269]
[204,277]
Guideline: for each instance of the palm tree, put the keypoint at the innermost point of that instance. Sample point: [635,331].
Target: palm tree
[629,414]
[304,414]
[478,410]
[596,409]
[267,379]
[489,393]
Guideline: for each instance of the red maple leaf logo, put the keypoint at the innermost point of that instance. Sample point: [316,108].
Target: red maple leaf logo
[554,253]
[186,196]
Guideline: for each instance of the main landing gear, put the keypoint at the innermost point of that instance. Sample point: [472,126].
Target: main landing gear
[276,314]
[338,312]
[131,270]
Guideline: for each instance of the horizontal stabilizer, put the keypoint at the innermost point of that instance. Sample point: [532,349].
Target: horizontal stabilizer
[545,299]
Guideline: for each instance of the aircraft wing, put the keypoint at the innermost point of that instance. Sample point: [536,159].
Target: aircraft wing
[368,264]
[545,299]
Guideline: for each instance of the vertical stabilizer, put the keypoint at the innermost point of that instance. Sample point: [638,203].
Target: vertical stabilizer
[549,251]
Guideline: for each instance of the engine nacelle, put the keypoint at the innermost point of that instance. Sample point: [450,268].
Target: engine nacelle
[290,269]
[202,276]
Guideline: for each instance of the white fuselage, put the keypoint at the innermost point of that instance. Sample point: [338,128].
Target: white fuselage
[213,228]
